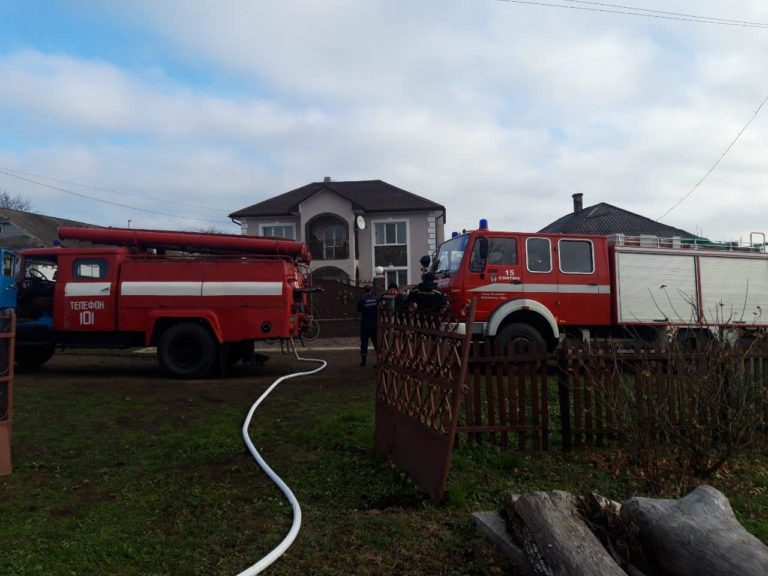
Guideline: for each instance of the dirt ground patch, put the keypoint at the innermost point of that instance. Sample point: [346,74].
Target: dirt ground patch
[137,370]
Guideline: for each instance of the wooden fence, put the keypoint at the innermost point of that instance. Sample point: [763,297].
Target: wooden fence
[592,393]
[507,394]
[7,339]
[605,388]
[436,388]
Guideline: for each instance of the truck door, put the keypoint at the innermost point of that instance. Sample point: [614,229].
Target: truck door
[85,293]
[494,274]
[584,284]
[8,286]
[540,274]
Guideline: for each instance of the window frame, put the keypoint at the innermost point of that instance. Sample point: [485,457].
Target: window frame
[528,261]
[335,243]
[103,264]
[264,226]
[591,254]
[406,243]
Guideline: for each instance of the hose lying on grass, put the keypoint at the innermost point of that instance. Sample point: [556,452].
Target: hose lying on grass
[280,549]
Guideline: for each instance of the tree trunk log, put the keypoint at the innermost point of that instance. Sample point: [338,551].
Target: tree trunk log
[697,535]
[556,539]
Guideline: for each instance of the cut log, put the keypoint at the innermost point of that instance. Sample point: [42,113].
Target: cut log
[493,526]
[556,539]
[697,535]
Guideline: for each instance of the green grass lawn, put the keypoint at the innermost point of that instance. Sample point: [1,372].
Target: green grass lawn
[117,471]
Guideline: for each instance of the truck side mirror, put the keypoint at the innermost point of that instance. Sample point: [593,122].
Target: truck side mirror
[425,261]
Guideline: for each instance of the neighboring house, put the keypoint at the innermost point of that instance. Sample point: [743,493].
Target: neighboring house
[605,219]
[20,229]
[352,227]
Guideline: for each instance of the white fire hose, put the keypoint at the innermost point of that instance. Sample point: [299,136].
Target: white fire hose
[280,549]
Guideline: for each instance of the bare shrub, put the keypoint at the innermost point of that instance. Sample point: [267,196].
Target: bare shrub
[682,413]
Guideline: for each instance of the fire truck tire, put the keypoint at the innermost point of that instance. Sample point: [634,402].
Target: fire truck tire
[518,332]
[34,356]
[187,350]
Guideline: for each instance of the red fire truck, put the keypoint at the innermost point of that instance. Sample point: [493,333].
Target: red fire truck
[202,299]
[543,287]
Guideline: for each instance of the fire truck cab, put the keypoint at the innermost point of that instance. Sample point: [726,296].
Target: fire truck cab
[202,305]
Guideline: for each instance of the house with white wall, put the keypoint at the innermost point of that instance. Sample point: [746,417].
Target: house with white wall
[352,227]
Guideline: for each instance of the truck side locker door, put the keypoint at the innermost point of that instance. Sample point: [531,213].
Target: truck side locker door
[86,293]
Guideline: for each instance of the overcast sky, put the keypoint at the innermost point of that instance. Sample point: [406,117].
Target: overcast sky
[177,113]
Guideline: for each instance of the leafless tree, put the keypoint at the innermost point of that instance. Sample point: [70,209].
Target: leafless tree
[14,201]
[205,229]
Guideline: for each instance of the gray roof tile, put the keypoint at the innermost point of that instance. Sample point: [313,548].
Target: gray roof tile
[41,230]
[365,196]
[605,219]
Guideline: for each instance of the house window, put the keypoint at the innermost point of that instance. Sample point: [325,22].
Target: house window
[399,277]
[576,257]
[334,242]
[279,231]
[390,250]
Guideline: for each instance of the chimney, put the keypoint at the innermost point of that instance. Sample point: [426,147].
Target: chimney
[327,179]
[578,203]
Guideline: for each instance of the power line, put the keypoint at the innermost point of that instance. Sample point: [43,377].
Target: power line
[111,191]
[145,210]
[707,18]
[629,11]
[712,169]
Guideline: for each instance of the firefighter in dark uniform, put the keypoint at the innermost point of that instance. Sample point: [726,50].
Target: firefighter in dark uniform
[427,298]
[367,305]
[392,299]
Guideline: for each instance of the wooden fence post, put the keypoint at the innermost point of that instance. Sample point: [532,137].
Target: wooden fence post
[564,397]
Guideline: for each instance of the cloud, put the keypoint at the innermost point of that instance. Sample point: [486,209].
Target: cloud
[494,110]
[96,97]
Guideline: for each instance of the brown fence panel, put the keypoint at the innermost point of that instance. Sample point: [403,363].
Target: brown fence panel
[422,366]
[7,339]
[508,395]
[603,386]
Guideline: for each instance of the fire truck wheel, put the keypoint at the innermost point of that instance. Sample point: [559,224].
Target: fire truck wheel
[187,350]
[34,356]
[519,333]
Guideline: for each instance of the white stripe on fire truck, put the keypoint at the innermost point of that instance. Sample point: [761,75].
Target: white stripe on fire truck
[201,288]
[87,289]
[161,288]
[242,288]
[545,288]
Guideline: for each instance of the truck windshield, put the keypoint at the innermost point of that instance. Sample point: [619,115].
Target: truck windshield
[449,255]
